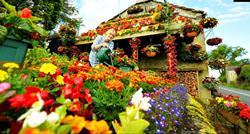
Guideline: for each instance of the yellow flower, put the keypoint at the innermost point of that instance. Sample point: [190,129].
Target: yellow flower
[3,75]
[48,68]
[10,65]
[59,79]
[219,99]
[98,127]
[77,123]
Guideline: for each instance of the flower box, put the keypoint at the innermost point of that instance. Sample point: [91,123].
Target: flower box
[230,116]
[13,50]
[248,129]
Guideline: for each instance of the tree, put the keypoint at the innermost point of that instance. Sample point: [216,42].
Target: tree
[226,55]
[51,11]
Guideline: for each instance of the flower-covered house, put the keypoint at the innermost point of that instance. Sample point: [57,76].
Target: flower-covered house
[162,37]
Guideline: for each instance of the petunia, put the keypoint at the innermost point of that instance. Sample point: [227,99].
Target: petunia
[53,117]
[139,101]
[36,119]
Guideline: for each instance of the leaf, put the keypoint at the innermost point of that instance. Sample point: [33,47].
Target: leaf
[35,43]
[35,19]
[60,100]
[64,129]
[40,30]
[9,7]
[61,111]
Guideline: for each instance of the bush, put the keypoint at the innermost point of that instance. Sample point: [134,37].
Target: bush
[244,74]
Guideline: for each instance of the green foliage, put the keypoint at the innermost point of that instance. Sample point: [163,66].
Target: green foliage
[3,33]
[52,11]
[108,104]
[244,74]
[196,110]
[224,55]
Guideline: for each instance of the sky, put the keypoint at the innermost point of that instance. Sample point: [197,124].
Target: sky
[234,17]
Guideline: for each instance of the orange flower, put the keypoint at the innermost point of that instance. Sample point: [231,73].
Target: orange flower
[115,84]
[26,13]
[98,127]
[77,123]
[35,131]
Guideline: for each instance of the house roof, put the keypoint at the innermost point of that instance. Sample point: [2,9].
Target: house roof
[202,13]
[178,6]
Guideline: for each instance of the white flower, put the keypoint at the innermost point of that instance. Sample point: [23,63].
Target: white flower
[139,101]
[36,118]
[53,117]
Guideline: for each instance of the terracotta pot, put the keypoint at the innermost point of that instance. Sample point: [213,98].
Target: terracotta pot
[230,116]
[191,34]
[150,54]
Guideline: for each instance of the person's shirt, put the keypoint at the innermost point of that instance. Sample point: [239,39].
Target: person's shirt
[92,56]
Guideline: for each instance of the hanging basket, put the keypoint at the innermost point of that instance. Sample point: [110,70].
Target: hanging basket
[214,41]
[191,34]
[209,22]
[150,54]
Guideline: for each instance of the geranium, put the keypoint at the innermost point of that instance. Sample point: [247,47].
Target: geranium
[48,68]
[242,105]
[3,75]
[26,13]
[98,127]
[10,65]
[73,86]
[28,98]
[115,85]
[245,113]
[4,87]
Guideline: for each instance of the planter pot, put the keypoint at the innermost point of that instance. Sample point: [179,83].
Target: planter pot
[191,34]
[230,116]
[150,54]
[13,50]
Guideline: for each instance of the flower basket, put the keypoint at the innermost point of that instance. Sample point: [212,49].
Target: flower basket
[150,50]
[192,30]
[209,22]
[230,116]
[191,34]
[214,41]
[150,54]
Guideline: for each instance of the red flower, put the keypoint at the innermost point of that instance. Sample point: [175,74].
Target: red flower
[242,105]
[245,113]
[28,98]
[72,88]
[26,13]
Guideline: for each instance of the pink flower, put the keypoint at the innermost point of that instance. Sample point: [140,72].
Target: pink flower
[4,86]
[228,104]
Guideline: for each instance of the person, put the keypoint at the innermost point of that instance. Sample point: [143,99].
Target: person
[100,41]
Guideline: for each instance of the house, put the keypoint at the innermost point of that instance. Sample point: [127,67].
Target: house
[151,21]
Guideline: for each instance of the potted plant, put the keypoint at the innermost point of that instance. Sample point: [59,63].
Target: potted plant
[192,30]
[209,22]
[214,41]
[212,84]
[21,32]
[194,47]
[150,50]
